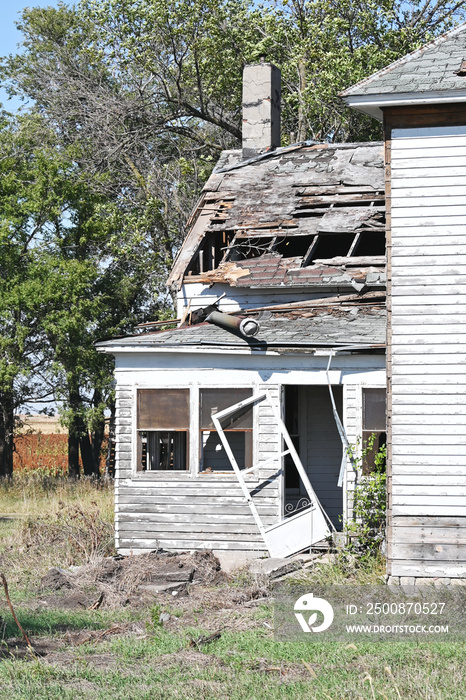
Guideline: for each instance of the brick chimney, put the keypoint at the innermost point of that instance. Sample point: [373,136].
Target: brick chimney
[261,109]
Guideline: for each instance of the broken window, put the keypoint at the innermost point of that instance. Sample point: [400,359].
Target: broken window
[237,426]
[163,428]
[374,426]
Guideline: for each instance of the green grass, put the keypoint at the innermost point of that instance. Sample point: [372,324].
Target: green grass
[242,665]
[150,660]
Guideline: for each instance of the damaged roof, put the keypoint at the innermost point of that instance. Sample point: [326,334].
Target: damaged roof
[310,215]
[296,327]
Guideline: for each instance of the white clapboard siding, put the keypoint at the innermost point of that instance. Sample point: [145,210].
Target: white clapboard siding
[424,161]
[420,256]
[188,510]
[428,358]
[439,221]
[430,189]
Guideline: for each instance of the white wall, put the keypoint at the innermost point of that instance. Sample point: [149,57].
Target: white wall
[428,262]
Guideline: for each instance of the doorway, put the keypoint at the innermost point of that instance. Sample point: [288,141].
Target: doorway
[309,420]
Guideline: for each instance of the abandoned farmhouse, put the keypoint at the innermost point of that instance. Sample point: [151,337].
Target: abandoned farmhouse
[321,299]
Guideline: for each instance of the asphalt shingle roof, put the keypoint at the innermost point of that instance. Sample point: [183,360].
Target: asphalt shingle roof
[431,68]
[352,325]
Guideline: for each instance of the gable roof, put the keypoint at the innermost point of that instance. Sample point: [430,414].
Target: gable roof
[427,74]
[295,217]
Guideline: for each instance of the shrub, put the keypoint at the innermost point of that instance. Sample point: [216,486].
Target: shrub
[370,502]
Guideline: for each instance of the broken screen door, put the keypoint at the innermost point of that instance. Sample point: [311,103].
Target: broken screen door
[290,535]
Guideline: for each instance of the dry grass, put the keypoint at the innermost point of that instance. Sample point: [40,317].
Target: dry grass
[51,521]
[38,493]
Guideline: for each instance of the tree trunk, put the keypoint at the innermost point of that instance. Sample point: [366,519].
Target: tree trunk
[73,437]
[87,454]
[73,454]
[7,423]
[97,435]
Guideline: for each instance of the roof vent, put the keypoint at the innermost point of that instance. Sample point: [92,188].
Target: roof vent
[462,68]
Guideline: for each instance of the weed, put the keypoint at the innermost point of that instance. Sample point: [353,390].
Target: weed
[52,522]
[367,529]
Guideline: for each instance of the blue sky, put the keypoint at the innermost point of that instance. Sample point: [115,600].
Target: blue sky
[9,35]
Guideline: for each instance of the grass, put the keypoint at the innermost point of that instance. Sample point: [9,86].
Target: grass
[37,494]
[50,521]
[242,665]
[145,658]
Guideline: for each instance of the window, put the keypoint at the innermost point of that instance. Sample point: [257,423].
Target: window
[374,423]
[238,428]
[163,429]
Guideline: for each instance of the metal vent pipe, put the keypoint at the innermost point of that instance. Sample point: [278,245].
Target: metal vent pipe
[246,326]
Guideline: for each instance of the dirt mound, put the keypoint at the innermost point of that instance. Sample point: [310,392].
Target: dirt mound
[118,581]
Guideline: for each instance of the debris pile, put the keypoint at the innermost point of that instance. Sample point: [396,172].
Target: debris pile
[117,581]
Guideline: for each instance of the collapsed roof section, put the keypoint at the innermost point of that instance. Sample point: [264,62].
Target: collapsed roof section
[358,321]
[310,215]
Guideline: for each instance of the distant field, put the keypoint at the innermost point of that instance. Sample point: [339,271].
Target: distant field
[39,451]
[46,452]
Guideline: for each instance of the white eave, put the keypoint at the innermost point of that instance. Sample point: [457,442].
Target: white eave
[174,349]
[373,104]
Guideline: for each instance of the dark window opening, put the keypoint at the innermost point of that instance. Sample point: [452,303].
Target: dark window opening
[163,429]
[332,246]
[370,243]
[237,426]
[293,246]
[163,450]
[292,480]
[374,429]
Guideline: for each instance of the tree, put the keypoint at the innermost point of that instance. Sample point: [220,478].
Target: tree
[25,212]
[166,74]
[69,277]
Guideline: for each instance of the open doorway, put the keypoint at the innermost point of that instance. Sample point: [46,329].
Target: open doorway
[310,422]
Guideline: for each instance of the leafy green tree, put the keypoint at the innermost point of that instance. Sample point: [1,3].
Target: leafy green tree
[68,278]
[157,80]
[26,209]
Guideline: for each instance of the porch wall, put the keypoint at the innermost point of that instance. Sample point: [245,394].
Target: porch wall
[192,511]
[187,510]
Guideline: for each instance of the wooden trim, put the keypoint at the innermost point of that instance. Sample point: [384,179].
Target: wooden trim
[403,117]
[389,117]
